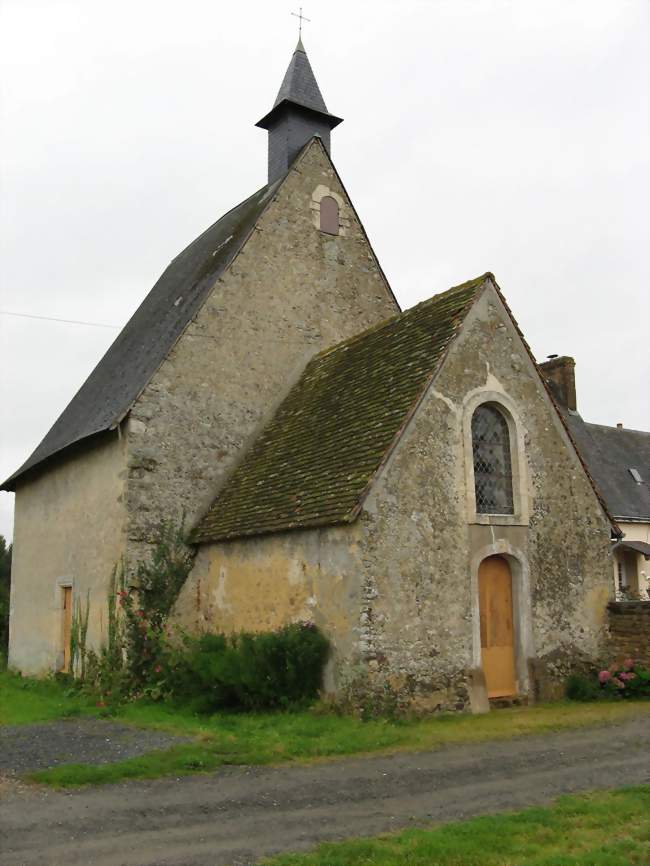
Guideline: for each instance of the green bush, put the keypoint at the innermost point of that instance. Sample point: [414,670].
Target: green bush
[582,688]
[627,679]
[269,670]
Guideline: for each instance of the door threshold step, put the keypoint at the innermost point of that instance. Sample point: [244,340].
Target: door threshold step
[512,701]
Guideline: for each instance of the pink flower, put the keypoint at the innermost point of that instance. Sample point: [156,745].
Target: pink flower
[157,669]
[628,664]
[603,676]
[618,683]
[626,676]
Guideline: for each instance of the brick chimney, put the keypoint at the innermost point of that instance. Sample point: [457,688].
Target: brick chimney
[560,376]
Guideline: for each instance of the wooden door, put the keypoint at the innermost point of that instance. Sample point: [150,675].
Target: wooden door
[67,626]
[497,636]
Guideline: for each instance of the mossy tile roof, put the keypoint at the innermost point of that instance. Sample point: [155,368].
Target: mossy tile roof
[317,457]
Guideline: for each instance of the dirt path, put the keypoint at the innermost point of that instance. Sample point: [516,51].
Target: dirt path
[238,815]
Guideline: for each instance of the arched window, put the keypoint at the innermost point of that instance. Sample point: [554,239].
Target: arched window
[329,215]
[492,465]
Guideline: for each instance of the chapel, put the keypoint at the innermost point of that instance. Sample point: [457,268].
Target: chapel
[404,480]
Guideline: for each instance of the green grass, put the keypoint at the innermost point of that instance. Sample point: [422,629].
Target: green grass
[609,828]
[270,738]
[24,701]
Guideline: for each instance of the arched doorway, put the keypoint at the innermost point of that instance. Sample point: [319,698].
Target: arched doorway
[497,632]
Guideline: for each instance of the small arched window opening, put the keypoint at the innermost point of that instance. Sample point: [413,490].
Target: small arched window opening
[329,215]
[492,463]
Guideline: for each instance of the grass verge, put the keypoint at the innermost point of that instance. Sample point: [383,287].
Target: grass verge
[609,828]
[272,738]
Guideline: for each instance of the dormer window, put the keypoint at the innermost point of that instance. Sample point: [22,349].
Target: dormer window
[329,215]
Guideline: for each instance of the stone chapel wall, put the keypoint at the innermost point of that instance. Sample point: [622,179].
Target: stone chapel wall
[69,531]
[421,546]
[291,291]
[263,583]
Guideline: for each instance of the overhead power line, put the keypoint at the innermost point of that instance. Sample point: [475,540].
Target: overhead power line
[52,319]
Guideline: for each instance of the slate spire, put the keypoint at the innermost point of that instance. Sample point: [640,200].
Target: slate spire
[299,112]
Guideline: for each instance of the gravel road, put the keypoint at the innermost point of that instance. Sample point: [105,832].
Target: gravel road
[238,815]
[75,741]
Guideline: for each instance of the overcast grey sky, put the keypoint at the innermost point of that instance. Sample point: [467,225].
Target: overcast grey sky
[502,135]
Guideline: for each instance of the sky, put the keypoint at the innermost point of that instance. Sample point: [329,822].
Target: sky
[503,135]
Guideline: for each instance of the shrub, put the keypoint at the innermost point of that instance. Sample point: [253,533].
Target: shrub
[582,688]
[270,670]
[625,680]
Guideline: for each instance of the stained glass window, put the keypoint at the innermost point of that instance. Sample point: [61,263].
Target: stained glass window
[492,466]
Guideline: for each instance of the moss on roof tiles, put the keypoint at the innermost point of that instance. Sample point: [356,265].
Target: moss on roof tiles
[313,463]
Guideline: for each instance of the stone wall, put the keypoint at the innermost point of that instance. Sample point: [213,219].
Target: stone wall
[290,292]
[629,631]
[260,584]
[397,591]
[423,541]
[69,531]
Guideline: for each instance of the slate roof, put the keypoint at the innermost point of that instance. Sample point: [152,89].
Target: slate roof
[318,456]
[299,83]
[610,452]
[299,87]
[109,392]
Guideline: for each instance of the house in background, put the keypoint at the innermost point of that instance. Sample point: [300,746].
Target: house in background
[619,461]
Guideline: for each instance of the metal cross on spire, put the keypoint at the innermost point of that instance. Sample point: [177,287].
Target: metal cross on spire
[300,18]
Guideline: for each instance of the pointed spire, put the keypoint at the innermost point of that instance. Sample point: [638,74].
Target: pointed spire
[299,84]
[298,114]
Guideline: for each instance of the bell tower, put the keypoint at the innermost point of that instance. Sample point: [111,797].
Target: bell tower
[298,114]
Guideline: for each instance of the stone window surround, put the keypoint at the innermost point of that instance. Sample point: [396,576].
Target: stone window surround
[516,433]
[320,193]
[522,618]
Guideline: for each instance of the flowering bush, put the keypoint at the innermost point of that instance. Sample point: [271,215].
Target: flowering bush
[145,658]
[625,680]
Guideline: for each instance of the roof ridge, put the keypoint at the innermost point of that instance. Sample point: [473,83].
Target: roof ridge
[615,429]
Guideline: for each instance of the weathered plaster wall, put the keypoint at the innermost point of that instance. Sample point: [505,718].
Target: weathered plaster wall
[69,530]
[291,291]
[422,543]
[263,583]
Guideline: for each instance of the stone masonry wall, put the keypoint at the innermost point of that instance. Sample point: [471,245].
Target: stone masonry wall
[422,543]
[290,292]
[260,584]
[629,631]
